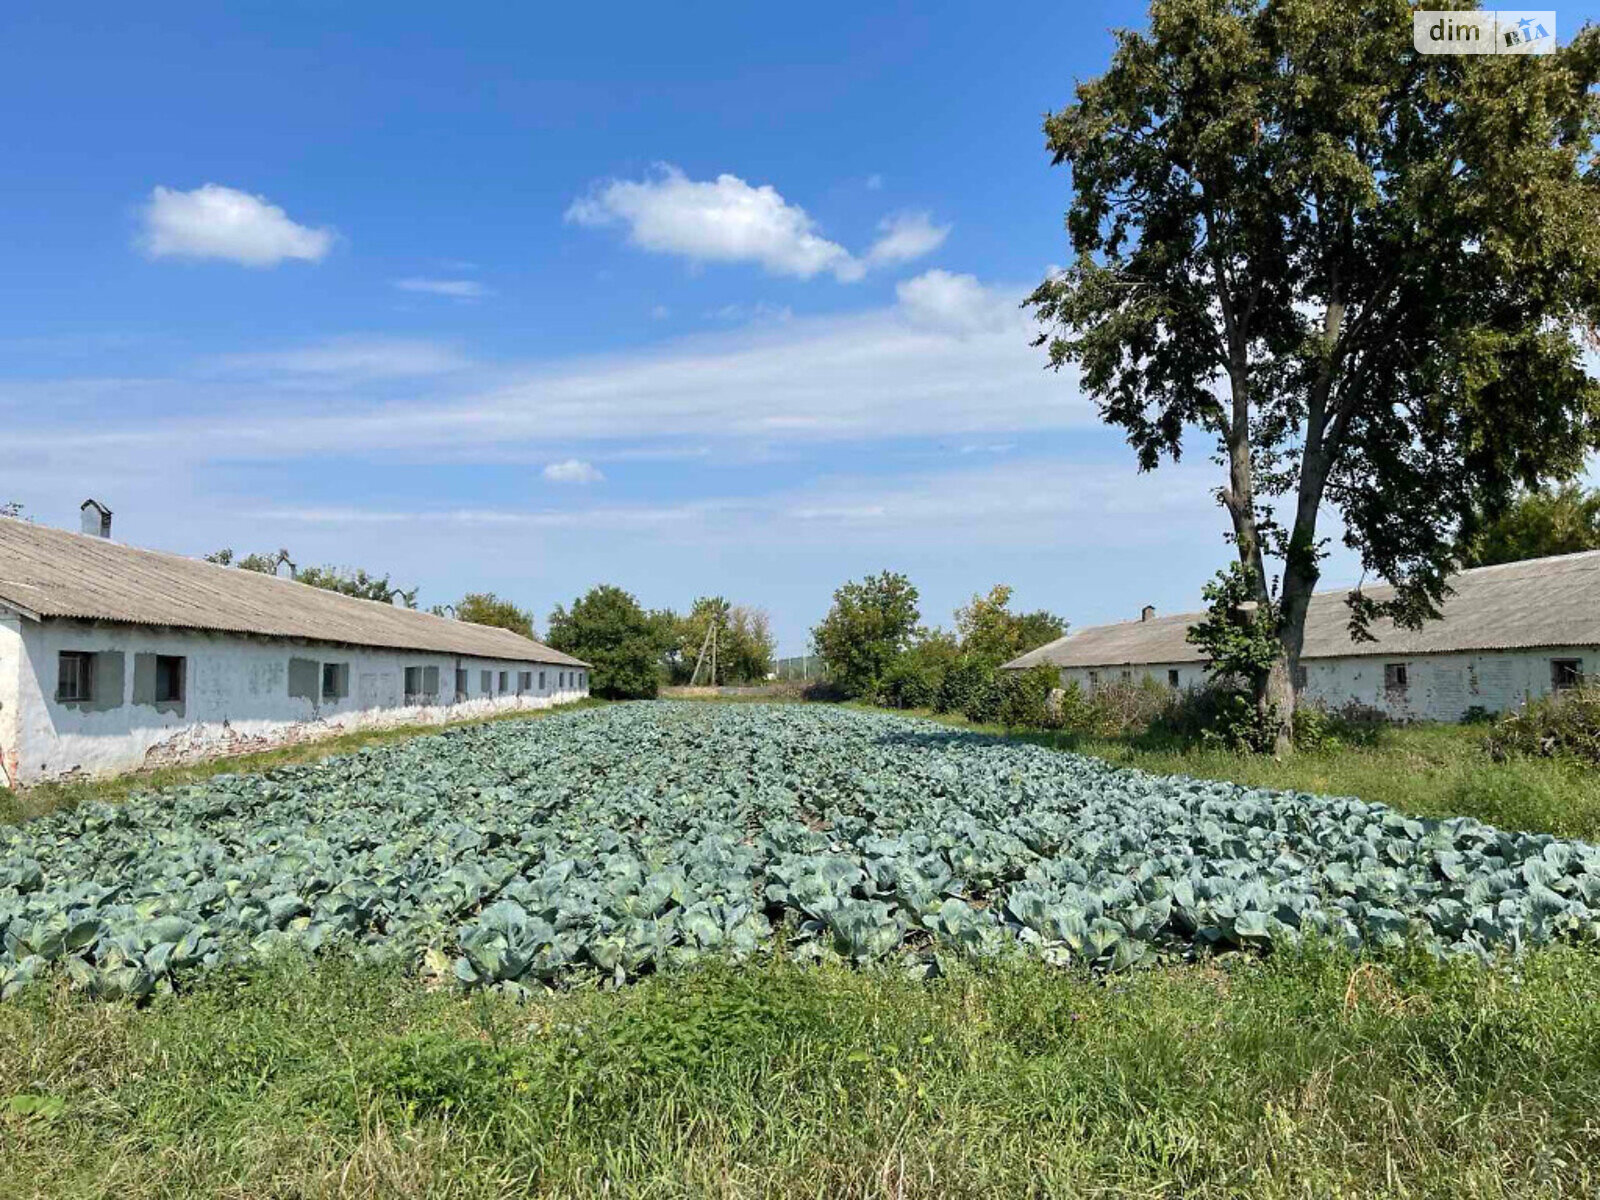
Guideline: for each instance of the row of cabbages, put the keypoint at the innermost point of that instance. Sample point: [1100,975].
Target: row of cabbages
[616,840]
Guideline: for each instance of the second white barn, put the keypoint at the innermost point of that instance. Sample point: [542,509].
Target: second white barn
[113,657]
[1506,634]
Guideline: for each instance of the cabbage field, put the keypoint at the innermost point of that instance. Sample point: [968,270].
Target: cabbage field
[604,843]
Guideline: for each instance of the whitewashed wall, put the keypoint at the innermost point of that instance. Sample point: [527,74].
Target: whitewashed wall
[1439,687]
[236,697]
[1189,675]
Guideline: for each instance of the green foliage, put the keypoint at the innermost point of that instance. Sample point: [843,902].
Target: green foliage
[356,582]
[1389,260]
[990,633]
[486,608]
[1565,724]
[869,625]
[1536,525]
[744,643]
[345,580]
[609,631]
[1013,699]
[915,678]
[614,842]
[1239,637]
[963,681]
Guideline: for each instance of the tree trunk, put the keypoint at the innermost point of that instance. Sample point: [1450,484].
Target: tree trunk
[1275,702]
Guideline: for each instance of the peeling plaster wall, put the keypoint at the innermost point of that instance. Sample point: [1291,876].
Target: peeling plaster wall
[12,662]
[236,696]
[1439,687]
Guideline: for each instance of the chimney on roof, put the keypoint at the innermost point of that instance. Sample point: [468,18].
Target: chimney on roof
[1147,612]
[96,518]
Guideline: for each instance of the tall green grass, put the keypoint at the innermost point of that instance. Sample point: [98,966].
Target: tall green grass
[1306,1075]
[1429,770]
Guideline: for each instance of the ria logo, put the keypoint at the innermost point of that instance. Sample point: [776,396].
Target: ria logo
[1483,31]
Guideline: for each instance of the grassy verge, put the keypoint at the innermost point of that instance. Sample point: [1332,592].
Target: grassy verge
[1430,770]
[35,801]
[1303,1075]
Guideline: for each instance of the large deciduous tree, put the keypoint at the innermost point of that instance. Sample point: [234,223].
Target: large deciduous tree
[744,642]
[486,608]
[1364,272]
[992,634]
[870,623]
[618,639]
[1563,520]
[347,581]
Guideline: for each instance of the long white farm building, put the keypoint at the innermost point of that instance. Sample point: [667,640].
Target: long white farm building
[1507,633]
[113,658]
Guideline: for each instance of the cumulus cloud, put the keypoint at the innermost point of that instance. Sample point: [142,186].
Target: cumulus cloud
[721,220]
[959,303]
[573,470]
[459,289]
[213,221]
[906,236]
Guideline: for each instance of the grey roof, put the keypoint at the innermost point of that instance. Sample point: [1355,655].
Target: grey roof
[1538,602]
[48,572]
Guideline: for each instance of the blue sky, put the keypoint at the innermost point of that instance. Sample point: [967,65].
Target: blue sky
[687,298]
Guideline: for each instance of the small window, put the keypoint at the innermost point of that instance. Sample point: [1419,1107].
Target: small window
[413,682]
[169,678]
[1172,677]
[1094,680]
[461,683]
[1127,677]
[334,677]
[505,682]
[1299,678]
[1396,678]
[541,681]
[485,682]
[1566,673]
[75,676]
[524,681]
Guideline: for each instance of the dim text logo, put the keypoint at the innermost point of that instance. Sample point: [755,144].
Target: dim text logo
[1476,31]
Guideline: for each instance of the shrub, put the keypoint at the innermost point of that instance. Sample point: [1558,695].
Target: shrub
[914,679]
[1566,724]
[1015,699]
[984,699]
[1025,697]
[960,685]
[909,684]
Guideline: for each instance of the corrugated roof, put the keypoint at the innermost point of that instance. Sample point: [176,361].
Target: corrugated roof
[48,572]
[1538,602]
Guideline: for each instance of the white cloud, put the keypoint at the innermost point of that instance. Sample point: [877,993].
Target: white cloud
[460,289]
[221,222]
[951,361]
[355,358]
[906,236]
[722,220]
[573,470]
[660,312]
[959,303]
[874,182]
